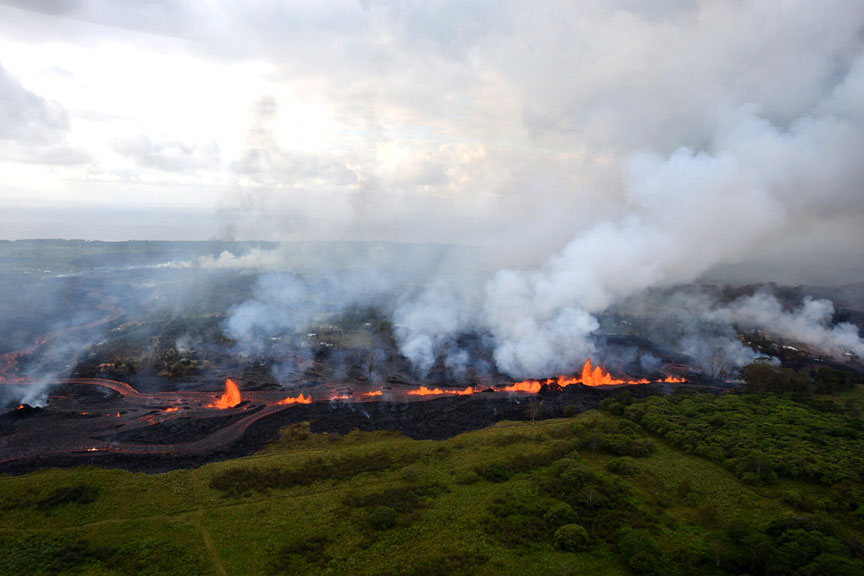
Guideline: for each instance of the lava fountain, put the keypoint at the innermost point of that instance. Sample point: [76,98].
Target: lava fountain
[230,398]
[590,376]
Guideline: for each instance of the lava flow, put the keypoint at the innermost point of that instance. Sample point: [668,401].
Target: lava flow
[230,398]
[590,376]
[528,386]
[134,414]
[298,400]
[424,391]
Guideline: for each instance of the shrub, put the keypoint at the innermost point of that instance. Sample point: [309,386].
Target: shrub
[77,494]
[641,552]
[383,517]
[571,537]
[296,557]
[560,514]
[517,519]
[625,466]
[403,499]
[573,478]
[641,447]
[239,481]
[493,472]
[801,502]
[527,461]
[411,474]
[591,497]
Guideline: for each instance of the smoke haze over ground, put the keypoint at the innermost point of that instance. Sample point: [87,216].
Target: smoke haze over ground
[560,158]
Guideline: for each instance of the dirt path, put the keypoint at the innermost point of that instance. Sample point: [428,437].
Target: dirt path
[202,529]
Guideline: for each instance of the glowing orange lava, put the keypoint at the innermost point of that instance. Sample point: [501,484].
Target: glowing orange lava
[597,377]
[424,391]
[298,400]
[590,376]
[372,394]
[171,409]
[20,407]
[529,386]
[230,398]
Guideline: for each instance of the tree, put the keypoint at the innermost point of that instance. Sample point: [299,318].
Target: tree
[534,409]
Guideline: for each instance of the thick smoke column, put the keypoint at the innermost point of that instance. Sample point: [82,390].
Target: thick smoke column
[684,214]
[636,148]
[681,215]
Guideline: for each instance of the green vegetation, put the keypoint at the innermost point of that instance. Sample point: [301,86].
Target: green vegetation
[759,437]
[761,484]
[824,380]
[571,537]
[243,480]
[78,493]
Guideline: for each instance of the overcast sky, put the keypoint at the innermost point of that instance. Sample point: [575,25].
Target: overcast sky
[507,122]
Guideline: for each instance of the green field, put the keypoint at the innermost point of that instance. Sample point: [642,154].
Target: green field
[488,502]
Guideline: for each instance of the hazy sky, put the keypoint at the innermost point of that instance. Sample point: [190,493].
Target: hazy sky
[507,122]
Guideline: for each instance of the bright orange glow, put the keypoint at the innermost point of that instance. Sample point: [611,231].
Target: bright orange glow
[372,394]
[597,377]
[424,391]
[20,407]
[171,409]
[340,397]
[298,400]
[590,376]
[230,398]
[530,386]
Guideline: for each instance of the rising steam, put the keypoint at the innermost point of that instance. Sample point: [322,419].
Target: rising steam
[809,324]
[688,149]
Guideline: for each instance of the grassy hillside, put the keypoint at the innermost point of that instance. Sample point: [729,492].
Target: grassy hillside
[591,494]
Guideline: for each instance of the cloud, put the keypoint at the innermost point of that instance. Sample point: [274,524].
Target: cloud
[27,118]
[32,129]
[169,155]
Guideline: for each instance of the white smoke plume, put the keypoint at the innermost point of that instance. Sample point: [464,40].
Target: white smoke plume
[601,150]
[253,259]
[809,324]
[680,215]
